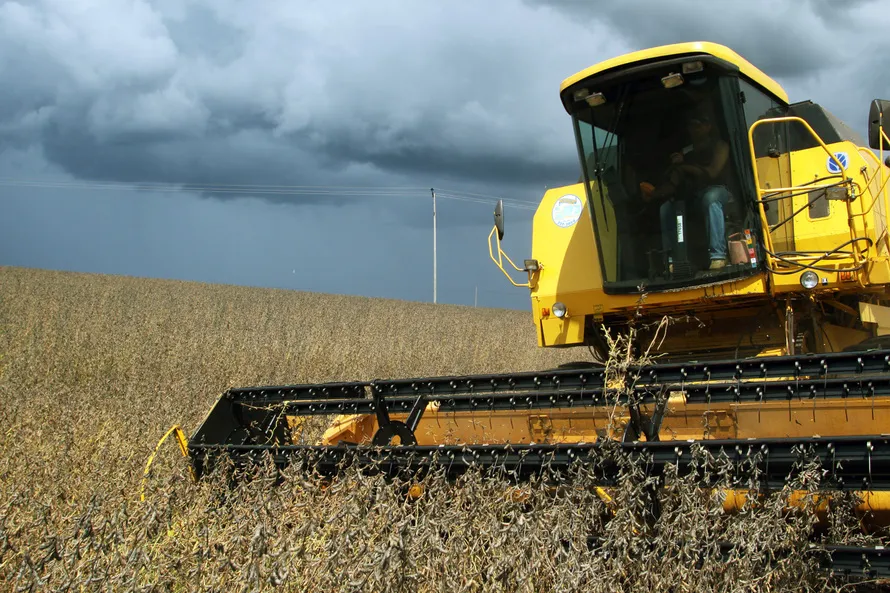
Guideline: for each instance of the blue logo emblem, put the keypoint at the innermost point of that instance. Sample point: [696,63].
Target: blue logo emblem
[832,166]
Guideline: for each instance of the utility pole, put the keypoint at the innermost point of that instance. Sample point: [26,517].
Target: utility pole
[433,191]
[476,297]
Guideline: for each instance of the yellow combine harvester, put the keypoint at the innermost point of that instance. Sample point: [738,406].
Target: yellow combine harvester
[737,240]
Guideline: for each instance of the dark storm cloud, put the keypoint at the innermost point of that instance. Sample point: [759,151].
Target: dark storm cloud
[215,91]
[781,37]
[366,94]
[385,94]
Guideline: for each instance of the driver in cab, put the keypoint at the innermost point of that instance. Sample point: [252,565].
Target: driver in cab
[702,173]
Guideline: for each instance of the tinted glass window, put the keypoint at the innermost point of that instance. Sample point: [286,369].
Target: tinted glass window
[758,105]
[652,151]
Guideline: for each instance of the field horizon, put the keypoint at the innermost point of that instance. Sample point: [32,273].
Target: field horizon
[131,277]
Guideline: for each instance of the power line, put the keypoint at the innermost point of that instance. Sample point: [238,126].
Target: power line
[274,190]
[469,193]
[472,196]
[331,191]
[518,205]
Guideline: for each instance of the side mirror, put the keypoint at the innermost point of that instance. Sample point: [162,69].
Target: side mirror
[499,219]
[878,118]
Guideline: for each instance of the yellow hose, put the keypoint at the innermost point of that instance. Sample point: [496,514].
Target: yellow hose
[183,447]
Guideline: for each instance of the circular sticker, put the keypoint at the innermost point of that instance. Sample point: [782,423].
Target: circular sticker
[567,210]
[832,166]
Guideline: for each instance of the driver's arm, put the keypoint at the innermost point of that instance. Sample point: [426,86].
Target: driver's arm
[721,155]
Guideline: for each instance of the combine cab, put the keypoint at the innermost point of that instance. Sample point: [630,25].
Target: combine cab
[735,242]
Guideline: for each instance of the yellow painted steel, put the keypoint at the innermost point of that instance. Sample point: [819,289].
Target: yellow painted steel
[798,171]
[876,314]
[679,49]
[843,246]
[683,421]
[499,261]
[560,331]
[805,418]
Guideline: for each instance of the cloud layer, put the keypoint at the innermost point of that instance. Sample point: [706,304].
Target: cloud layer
[384,94]
[210,91]
[219,91]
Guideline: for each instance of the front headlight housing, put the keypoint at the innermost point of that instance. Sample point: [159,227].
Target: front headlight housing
[809,280]
[559,309]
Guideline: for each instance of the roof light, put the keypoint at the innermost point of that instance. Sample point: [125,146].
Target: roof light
[531,265]
[672,80]
[596,99]
[690,67]
[580,94]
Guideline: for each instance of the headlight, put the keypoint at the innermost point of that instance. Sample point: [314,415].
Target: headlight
[809,280]
[559,309]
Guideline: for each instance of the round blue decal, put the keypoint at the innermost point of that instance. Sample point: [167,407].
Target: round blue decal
[832,166]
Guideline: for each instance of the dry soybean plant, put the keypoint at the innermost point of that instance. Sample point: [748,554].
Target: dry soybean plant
[95,369]
[292,532]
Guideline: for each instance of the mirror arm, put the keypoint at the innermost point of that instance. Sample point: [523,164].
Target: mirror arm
[499,261]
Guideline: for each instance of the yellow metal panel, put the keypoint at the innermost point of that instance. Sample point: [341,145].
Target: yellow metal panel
[818,234]
[536,315]
[795,418]
[835,337]
[558,332]
[774,173]
[568,256]
[596,302]
[876,314]
[714,49]
[829,283]
[879,271]
[862,217]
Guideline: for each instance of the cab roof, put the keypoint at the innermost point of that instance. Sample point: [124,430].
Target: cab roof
[679,49]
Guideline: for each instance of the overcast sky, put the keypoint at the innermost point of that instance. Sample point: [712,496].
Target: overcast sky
[353,110]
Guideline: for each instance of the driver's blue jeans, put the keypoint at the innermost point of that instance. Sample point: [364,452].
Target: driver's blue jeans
[712,200]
